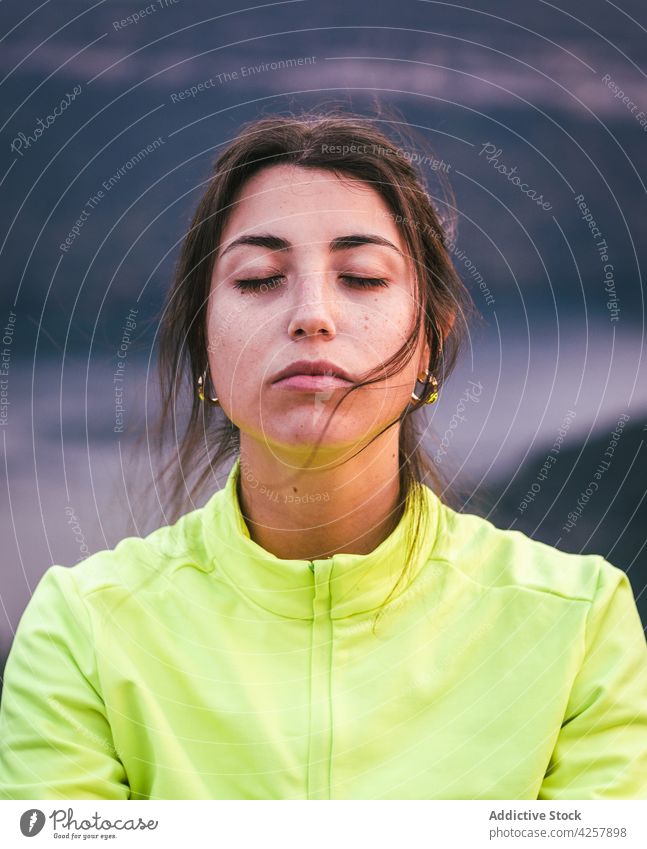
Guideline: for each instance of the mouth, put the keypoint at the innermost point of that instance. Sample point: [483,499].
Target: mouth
[312,382]
[312,376]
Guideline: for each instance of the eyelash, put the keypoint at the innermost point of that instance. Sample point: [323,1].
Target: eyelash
[257,282]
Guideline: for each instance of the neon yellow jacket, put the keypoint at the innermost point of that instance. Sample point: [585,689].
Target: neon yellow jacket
[193,664]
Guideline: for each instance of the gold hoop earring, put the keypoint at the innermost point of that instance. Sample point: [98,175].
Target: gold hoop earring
[202,382]
[434,394]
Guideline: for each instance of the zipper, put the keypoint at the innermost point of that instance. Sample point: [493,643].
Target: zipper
[320,724]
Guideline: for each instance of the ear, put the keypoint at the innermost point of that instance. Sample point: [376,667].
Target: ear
[447,329]
[423,362]
[425,355]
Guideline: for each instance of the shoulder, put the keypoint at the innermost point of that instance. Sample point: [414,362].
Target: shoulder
[135,564]
[498,558]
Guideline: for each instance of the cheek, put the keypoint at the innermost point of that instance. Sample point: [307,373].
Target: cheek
[224,317]
[236,356]
[386,333]
[383,329]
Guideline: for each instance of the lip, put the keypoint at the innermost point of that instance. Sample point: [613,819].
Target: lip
[309,374]
[312,382]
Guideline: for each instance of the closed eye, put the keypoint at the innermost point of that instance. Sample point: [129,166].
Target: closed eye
[255,283]
[365,282]
[258,283]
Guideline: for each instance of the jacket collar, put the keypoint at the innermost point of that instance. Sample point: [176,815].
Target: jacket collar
[355,583]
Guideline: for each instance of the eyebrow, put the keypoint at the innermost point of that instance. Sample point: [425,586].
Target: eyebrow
[341,243]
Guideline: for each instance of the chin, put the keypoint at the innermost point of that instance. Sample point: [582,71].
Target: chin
[299,442]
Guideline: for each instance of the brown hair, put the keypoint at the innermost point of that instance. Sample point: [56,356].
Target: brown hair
[349,145]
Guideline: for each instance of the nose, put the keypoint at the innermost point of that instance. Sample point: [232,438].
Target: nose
[313,312]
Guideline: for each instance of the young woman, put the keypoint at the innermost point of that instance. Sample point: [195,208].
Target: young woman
[326,626]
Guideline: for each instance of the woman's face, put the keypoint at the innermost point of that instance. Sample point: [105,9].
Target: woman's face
[307,305]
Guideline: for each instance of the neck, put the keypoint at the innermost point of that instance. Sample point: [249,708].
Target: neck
[311,513]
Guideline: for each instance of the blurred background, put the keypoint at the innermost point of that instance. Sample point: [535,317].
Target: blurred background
[96,197]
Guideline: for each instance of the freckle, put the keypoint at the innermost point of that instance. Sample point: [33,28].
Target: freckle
[294,489]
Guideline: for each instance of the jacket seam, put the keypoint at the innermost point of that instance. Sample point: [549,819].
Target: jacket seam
[519,585]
